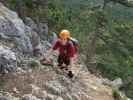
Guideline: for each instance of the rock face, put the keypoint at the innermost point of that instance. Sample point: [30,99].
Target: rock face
[43,30]
[40,28]
[12,26]
[29,22]
[7,96]
[36,44]
[38,33]
[50,85]
[8,61]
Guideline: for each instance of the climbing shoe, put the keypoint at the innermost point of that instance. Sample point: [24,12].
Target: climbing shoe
[70,74]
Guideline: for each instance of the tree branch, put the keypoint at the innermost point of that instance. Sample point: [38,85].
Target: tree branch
[127,3]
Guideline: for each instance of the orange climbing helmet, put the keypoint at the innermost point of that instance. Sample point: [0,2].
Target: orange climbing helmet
[64,34]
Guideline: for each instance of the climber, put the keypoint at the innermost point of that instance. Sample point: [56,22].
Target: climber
[67,51]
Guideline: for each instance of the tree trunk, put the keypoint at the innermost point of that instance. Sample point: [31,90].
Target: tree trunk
[99,26]
[91,55]
[20,8]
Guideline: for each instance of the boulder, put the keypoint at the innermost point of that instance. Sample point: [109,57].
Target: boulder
[59,98]
[29,97]
[3,98]
[55,87]
[117,83]
[8,61]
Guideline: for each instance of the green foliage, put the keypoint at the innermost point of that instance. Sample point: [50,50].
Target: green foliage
[116,94]
[34,63]
[27,3]
[115,52]
[114,44]
[56,15]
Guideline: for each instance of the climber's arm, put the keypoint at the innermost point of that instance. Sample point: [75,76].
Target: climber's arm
[48,54]
[51,50]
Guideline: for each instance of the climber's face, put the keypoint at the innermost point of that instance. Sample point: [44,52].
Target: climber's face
[64,41]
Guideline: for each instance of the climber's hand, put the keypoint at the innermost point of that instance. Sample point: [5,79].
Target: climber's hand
[45,61]
[42,59]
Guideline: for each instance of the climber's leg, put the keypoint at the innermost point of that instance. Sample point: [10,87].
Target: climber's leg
[60,61]
[67,63]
